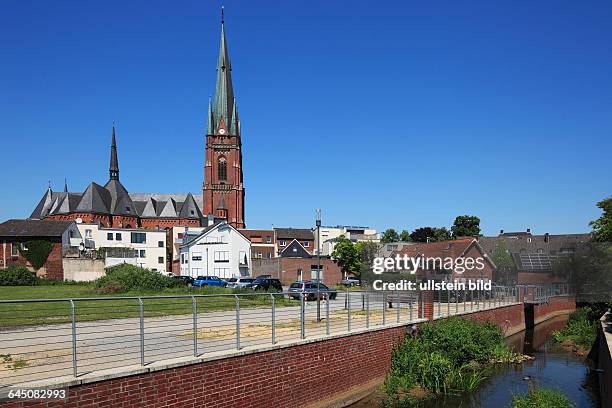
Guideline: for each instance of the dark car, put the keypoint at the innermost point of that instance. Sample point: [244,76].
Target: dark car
[186,280]
[309,289]
[265,284]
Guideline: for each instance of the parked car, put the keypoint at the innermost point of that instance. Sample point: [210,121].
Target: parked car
[186,280]
[209,281]
[266,284]
[309,289]
[350,281]
[237,283]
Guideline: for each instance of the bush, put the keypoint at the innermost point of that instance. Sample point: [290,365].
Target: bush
[130,277]
[581,329]
[447,356]
[462,340]
[109,288]
[541,398]
[17,275]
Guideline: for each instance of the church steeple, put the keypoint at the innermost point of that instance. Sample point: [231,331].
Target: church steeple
[223,106]
[114,163]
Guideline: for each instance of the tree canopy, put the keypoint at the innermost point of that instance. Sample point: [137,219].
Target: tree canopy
[602,227]
[389,235]
[466,226]
[347,256]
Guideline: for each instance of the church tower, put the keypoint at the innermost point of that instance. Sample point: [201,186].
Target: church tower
[223,189]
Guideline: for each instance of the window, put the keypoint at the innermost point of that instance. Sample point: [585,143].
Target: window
[160,260]
[138,238]
[127,209]
[268,239]
[299,274]
[222,169]
[71,234]
[109,236]
[15,249]
[221,256]
[313,274]
[180,235]
[87,233]
[269,255]
[196,256]
[282,242]
[222,272]
[306,244]
[118,236]
[242,258]
[143,253]
[160,244]
[184,259]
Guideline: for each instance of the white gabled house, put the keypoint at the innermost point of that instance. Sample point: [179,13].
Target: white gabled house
[220,250]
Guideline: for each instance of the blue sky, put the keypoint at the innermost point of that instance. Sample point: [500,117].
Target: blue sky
[402,114]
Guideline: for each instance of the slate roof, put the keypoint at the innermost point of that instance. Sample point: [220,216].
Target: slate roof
[33,228]
[295,250]
[294,233]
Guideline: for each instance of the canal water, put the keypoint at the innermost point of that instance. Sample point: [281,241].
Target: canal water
[553,367]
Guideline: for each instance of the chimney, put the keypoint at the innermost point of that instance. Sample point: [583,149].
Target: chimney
[546,237]
[529,230]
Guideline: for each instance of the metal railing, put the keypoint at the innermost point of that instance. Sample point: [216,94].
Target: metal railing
[48,338]
[455,302]
[541,293]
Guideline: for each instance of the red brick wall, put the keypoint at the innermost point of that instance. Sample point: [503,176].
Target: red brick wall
[509,319]
[555,305]
[286,377]
[286,269]
[53,266]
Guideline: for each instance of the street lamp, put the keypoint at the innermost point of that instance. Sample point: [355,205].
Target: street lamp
[318,224]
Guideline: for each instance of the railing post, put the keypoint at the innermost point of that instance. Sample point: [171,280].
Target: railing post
[439,303]
[384,308]
[348,297]
[448,302]
[302,317]
[142,339]
[398,305]
[74,338]
[456,301]
[410,308]
[194,309]
[367,299]
[464,300]
[327,316]
[273,319]
[471,299]
[237,322]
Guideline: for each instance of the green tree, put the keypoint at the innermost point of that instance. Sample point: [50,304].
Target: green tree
[368,250]
[389,235]
[602,227]
[347,257]
[466,226]
[422,234]
[405,236]
[442,234]
[502,259]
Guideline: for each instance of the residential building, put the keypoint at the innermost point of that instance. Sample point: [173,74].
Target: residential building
[454,249]
[15,235]
[220,250]
[284,236]
[149,246]
[533,255]
[262,242]
[329,236]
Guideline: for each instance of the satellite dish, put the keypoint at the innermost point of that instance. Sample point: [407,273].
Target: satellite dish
[79,220]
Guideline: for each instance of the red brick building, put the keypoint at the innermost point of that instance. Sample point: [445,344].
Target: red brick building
[112,205]
[262,243]
[15,235]
[223,188]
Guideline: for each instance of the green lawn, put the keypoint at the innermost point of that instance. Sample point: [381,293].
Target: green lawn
[18,314]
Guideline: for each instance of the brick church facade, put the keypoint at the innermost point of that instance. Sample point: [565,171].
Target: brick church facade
[112,205]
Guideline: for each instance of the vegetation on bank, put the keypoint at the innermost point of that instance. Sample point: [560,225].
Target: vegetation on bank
[580,332]
[541,398]
[448,356]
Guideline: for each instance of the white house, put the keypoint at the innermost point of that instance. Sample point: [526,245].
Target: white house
[220,250]
[329,236]
[150,245]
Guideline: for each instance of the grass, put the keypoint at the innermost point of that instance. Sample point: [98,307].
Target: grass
[35,313]
[580,332]
[541,398]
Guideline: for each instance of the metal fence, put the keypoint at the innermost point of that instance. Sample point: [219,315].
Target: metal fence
[41,339]
[48,338]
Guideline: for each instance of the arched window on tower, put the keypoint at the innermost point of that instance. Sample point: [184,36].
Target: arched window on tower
[222,169]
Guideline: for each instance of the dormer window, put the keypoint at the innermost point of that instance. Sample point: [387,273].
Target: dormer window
[127,209]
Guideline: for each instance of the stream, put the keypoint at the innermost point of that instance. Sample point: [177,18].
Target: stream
[553,367]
